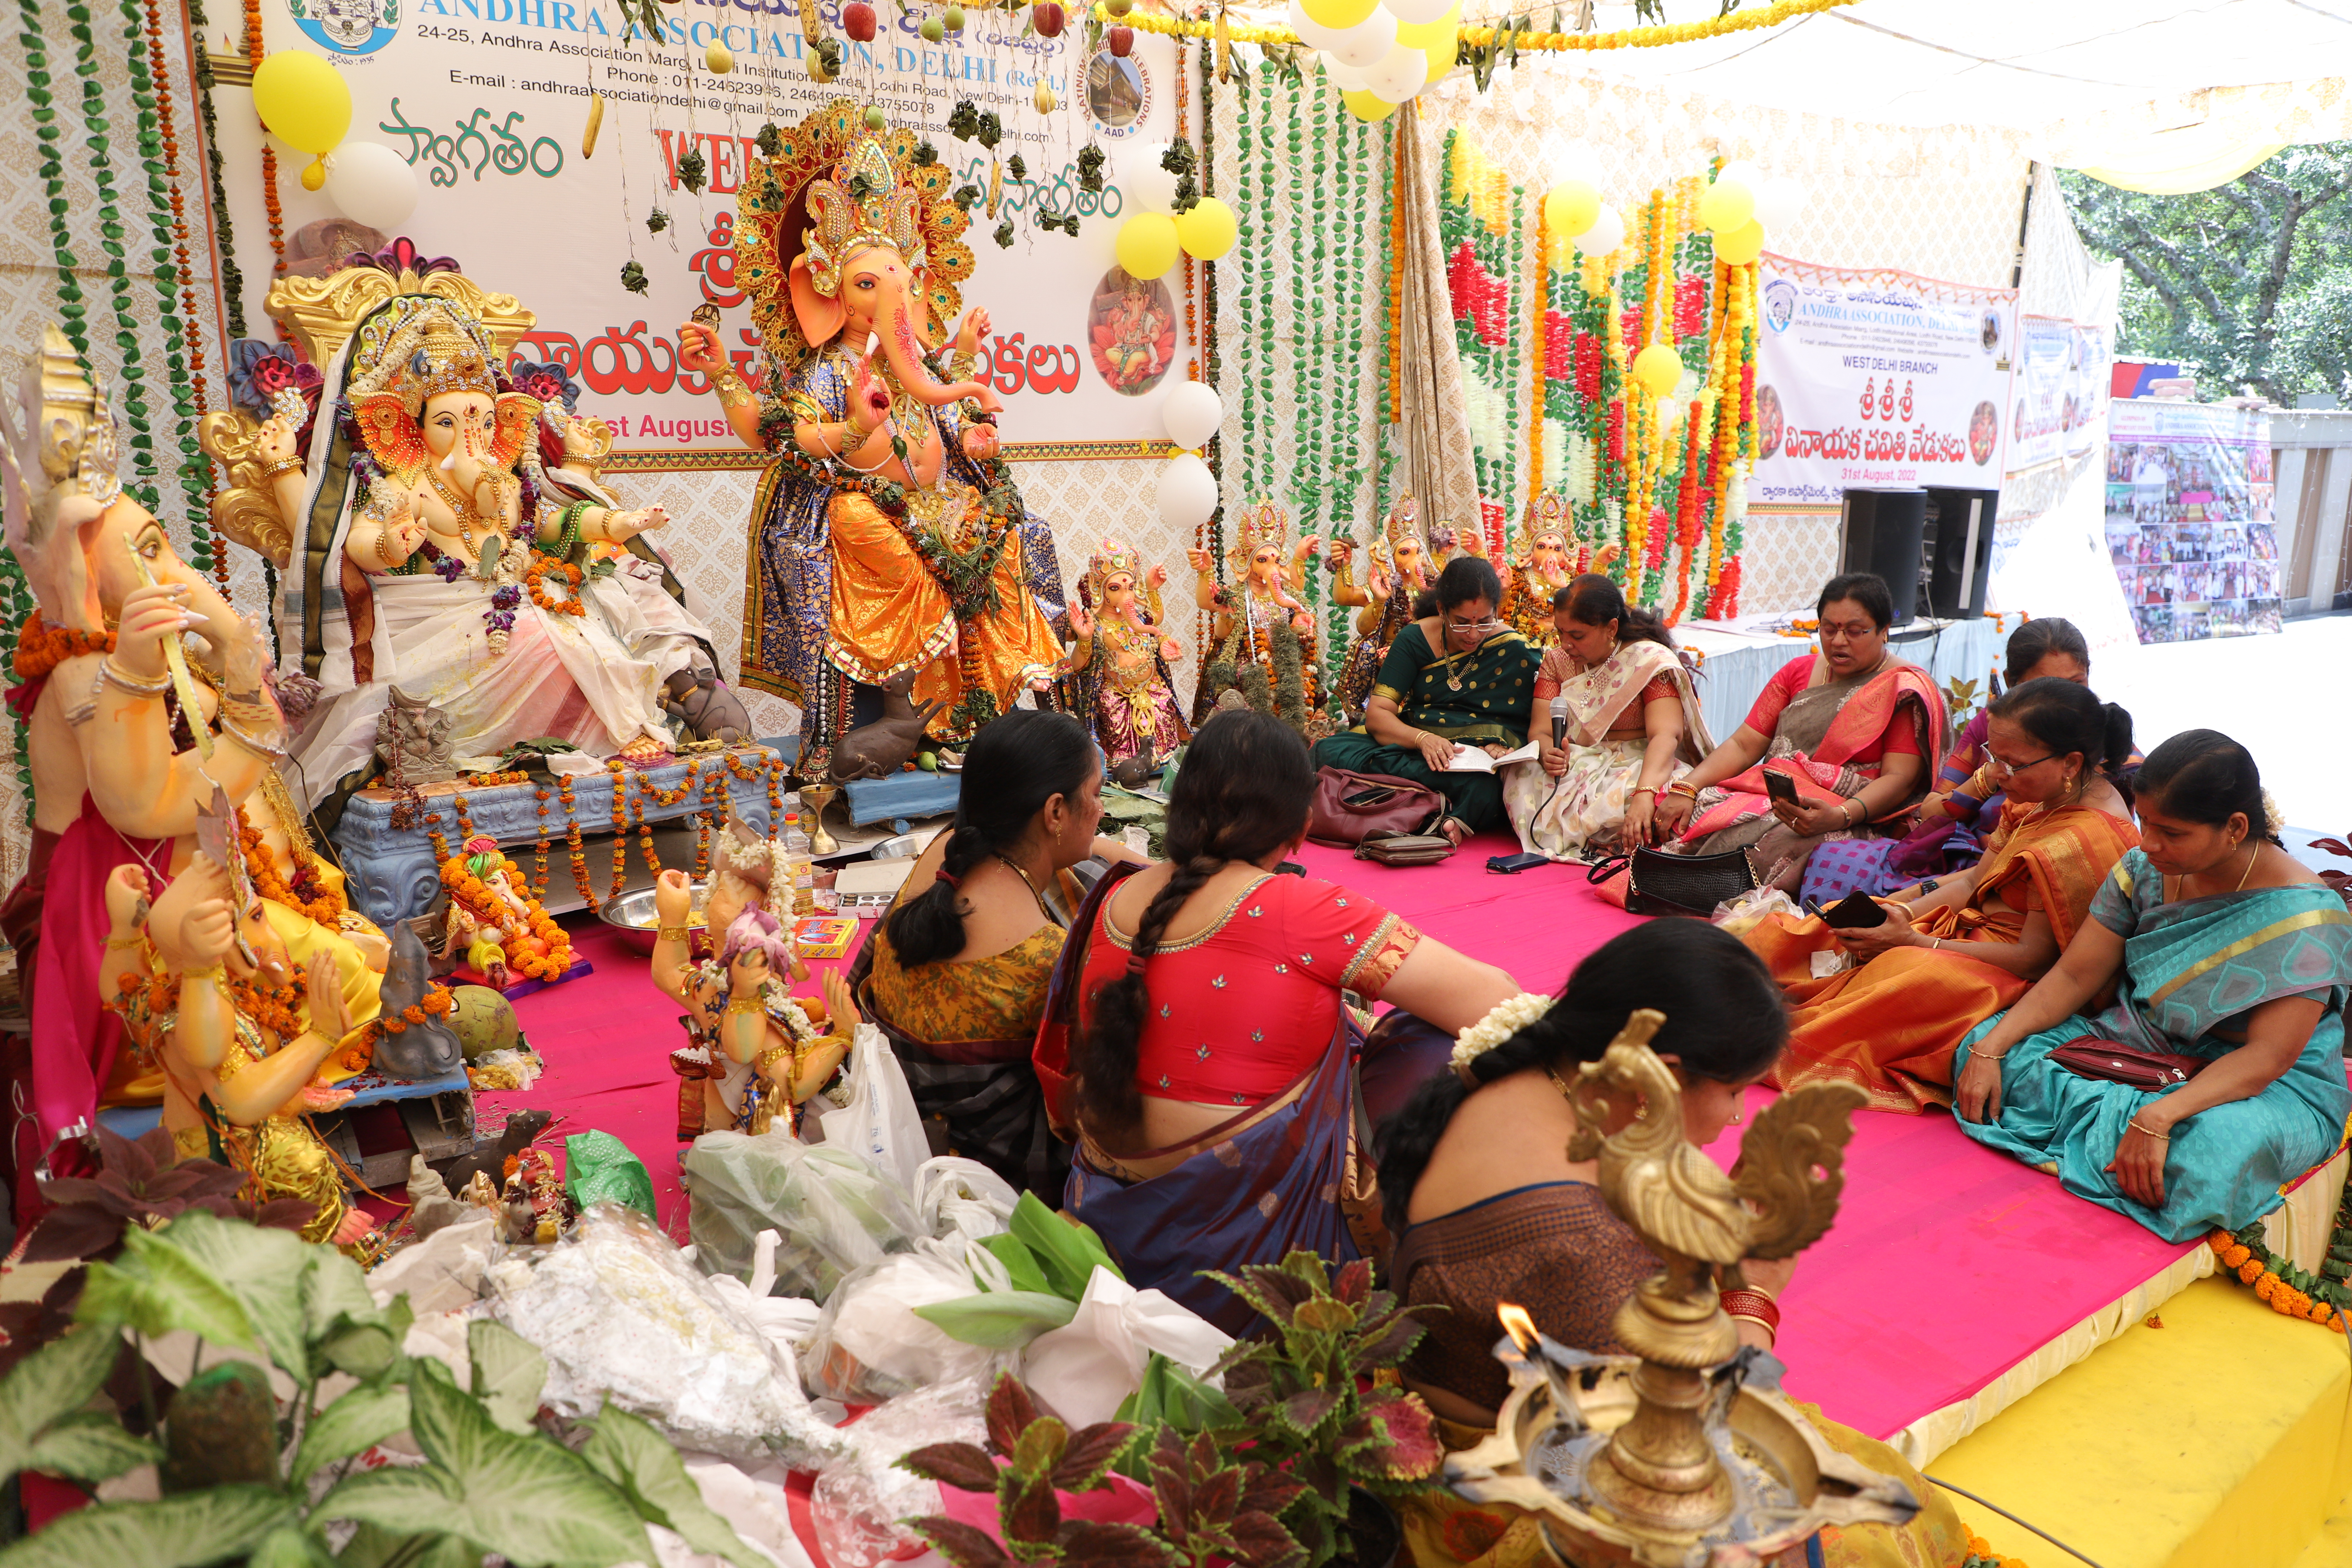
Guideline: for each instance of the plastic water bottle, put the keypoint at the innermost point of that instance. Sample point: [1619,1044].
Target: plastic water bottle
[799,864]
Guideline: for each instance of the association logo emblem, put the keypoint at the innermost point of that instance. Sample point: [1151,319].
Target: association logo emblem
[1780,304]
[347,26]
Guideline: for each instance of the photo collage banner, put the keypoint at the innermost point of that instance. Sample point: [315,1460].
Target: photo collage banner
[2190,519]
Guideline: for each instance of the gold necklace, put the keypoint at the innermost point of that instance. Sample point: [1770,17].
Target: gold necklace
[2253,856]
[459,507]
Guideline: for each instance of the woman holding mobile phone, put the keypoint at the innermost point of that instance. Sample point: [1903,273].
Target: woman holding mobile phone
[1935,967]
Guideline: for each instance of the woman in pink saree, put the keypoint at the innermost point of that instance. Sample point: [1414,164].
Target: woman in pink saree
[1856,732]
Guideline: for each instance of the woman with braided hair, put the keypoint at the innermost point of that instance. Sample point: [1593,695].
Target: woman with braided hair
[1196,1046]
[955,974]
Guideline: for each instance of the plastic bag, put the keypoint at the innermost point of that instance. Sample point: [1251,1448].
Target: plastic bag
[835,1212]
[872,1347]
[963,1197]
[620,1314]
[598,1168]
[787,1320]
[858,1501]
[880,1123]
[1750,908]
[1087,1370]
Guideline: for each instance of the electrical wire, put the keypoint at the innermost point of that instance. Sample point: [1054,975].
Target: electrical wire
[2014,1519]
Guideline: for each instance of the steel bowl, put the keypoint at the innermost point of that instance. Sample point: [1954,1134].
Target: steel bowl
[632,914]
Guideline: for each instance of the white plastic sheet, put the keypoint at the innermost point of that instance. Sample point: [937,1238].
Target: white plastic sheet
[1085,1368]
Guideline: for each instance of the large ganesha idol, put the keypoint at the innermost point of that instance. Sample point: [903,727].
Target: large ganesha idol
[440,530]
[887,535]
[1402,569]
[126,747]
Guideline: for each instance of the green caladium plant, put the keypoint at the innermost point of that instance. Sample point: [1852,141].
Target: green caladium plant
[1212,1505]
[493,1481]
[1306,1388]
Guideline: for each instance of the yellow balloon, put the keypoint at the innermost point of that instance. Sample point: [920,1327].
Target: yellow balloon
[315,176]
[1570,207]
[1658,368]
[1440,40]
[302,100]
[1367,105]
[1337,14]
[1741,245]
[1148,245]
[1728,204]
[1209,230]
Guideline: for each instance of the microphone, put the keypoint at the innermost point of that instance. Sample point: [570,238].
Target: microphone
[1560,719]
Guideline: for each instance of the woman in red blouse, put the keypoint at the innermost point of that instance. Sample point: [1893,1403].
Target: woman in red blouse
[1197,1046]
[1856,731]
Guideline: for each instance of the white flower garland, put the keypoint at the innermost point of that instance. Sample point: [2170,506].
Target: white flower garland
[1507,1018]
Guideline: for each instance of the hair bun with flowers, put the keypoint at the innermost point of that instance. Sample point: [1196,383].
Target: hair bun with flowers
[1506,1018]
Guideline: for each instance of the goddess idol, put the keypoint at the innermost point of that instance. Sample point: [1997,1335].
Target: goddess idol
[887,535]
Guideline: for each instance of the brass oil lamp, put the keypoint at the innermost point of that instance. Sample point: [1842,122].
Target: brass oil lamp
[1686,1454]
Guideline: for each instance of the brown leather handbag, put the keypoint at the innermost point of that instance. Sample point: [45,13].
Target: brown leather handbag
[1349,808]
[2105,1061]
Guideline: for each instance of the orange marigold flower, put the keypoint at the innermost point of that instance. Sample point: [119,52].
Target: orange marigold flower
[2318,1311]
[2250,1270]
[2236,1254]
[2267,1286]
[2220,1240]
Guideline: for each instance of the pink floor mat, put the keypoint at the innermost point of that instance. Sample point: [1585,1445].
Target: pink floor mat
[1948,1265]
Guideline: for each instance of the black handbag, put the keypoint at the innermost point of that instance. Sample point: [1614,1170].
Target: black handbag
[1656,883]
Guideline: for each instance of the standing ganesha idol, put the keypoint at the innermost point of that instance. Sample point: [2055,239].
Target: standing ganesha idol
[1121,657]
[1266,650]
[1401,570]
[888,533]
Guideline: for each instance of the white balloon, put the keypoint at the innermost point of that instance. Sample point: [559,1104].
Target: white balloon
[1188,492]
[1778,200]
[1417,12]
[1400,75]
[1312,33]
[1144,182]
[1191,411]
[1343,76]
[371,184]
[1364,45]
[1607,232]
[1740,172]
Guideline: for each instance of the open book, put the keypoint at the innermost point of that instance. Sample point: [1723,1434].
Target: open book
[1475,759]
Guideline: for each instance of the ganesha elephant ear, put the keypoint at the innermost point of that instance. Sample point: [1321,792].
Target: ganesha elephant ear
[390,432]
[820,317]
[518,424]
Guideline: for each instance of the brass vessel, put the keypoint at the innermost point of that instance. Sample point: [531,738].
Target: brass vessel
[1686,1454]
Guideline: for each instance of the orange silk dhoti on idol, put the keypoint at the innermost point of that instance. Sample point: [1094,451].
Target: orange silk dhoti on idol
[890,614]
[1891,1026]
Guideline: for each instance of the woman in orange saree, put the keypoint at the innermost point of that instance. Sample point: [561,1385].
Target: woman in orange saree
[1858,733]
[1963,948]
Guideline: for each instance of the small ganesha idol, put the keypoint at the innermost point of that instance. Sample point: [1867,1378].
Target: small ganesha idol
[1121,655]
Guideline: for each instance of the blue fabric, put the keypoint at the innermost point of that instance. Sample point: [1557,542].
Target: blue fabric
[2224,1165]
[1254,1197]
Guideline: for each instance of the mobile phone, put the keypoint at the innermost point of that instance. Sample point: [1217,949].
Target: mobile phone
[1511,865]
[1377,794]
[1781,788]
[1855,911]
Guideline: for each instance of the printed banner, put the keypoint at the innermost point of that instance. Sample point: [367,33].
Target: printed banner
[488,100]
[1877,379]
[2190,519]
[2060,401]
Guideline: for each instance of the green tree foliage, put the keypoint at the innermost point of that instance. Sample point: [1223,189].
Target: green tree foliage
[2250,281]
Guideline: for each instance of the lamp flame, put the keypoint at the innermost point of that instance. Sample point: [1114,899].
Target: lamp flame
[1519,1324]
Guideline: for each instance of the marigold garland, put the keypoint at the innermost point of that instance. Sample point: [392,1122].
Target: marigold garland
[2293,1292]
[1982,1555]
[358,1052]
[40,649]
[276,1008]
[534,578]
[1622,39]
[321,902]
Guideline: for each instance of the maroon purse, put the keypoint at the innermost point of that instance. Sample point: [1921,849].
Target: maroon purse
[2105,1061]
[1349,808]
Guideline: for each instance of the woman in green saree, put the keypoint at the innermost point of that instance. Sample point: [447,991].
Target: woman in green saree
[1457,679]
[2222,948]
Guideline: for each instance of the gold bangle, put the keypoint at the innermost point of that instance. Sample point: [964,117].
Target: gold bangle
[384,545]
[124,681]
[767,1058]
[209,971]
[122,943]
[287,466]
[1683,786]
[1645,789]
[2148,1131]
[674,933]
[746,1005]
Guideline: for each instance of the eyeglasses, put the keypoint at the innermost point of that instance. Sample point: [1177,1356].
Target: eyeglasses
[1473,625]
[2005,765]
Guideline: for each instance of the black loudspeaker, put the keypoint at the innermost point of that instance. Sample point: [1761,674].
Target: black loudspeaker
[1884,532]
[1959,546]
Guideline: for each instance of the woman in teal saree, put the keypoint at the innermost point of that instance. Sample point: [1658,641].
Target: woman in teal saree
[1457,679]
[2221,947]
